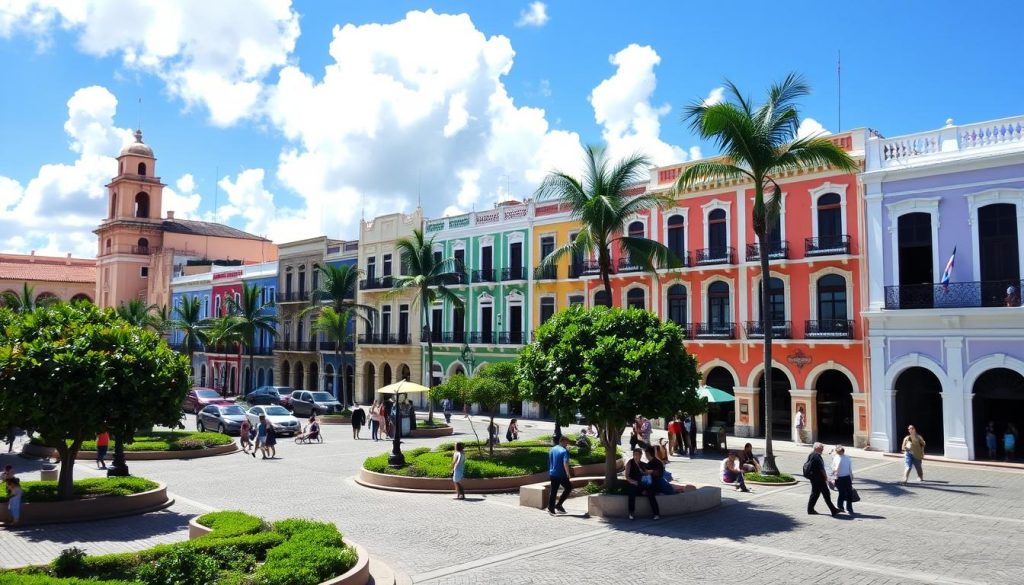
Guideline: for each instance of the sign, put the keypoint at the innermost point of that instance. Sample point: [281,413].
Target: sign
[799,359]
[231,274]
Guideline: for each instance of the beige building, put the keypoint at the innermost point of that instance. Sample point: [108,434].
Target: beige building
[66,279]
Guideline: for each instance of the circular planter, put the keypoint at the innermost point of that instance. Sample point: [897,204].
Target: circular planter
[401,483]
[429,433]
[770,483]
[46,452]
[100,508]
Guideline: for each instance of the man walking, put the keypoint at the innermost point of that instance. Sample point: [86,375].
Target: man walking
[559,473]
[814,470]
[446,407]
[358,420]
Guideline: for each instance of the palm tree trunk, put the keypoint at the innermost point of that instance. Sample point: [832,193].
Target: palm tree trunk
[769,467]
[252,371]
[430,358]
[340,386]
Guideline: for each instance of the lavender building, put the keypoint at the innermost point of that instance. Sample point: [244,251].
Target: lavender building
[946,357]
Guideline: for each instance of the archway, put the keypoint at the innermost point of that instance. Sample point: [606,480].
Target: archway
[329,384]
[248,380]
[999,399]
[298,377]
[404,373]
[919,403]
[386,373]
[81,297]
[141,205]
[369,382]
[781,404]
[721,413]
[834,412]
[286,374]
[313,377]
[260,378]
[350,380]
[202,375]
[232,385]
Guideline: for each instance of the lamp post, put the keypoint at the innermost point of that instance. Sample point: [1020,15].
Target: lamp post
[397,459]
[470,361]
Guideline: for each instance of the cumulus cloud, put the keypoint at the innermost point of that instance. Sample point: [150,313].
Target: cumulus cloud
[811,127]
[536,14]
[715,96]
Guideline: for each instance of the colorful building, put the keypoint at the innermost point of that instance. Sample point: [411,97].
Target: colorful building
[946,334]
[334,364]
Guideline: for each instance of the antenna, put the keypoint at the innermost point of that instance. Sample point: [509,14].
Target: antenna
[839,90]
[139,126]
[216,192]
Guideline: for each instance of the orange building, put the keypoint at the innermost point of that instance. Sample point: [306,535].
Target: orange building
[48,277]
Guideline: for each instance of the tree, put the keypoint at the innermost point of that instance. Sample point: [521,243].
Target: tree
[493,385]
[336,326]
[188,318]
[26,301]
[248,316]
[599,202]
[70,371]
[138,313]
[611,364]
[224,337]
[338,291]
[429,279]
[759,144]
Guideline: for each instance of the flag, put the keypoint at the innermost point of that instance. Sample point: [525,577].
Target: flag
[948,272]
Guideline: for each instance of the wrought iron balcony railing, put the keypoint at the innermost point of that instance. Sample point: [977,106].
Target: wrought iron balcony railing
[827,245]
[293,297]
[484,275]
[684,259]
[333,345]
[377,283]
[577,269]
[452,278]
[546,273]
[776,251]
[289,345]
[709,256]
[955,295]
[513,273]
[829,329]
[591,267]
[384,339]
[453,337]
[510,338]
[483,337]
[780,329]
[714,330]
[627,265]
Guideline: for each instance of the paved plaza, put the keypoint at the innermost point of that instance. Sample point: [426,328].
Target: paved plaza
[956,527]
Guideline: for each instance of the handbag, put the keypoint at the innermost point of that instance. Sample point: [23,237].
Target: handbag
[854,496]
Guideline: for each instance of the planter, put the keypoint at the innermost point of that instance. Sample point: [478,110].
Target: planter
[334,420]
[400,483]
[46,452]
[92,508]
[429,433]
[684,502]
[769,483]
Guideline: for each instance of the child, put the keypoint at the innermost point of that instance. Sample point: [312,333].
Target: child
[243,436]
[14,493]
[1009,441]
[458,470]
[990,439]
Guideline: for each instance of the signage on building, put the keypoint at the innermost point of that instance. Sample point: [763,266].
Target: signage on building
[223,275]
[798,359]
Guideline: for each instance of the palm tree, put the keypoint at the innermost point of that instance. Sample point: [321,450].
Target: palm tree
[429,278]
[336,326]
[757,144]
[248,317]
[138,313]
[601,206]
[188,319]
[223,334]
[25,302]
[338,290]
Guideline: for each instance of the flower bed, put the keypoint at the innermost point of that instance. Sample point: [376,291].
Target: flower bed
[238,549]
[94,487]
[508,461]
[755,478]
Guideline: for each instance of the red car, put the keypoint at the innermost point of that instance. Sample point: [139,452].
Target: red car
[199,398]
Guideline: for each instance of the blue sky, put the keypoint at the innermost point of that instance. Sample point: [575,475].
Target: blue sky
[300,117]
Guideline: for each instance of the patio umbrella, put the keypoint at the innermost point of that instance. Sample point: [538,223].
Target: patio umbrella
[714,394]
[403,387]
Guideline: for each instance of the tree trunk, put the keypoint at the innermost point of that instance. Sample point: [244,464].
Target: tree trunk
[769,467]
[66,479]
[252,371]
[609,438]
[606,267]
[340,386]
[490,426]
[430,357]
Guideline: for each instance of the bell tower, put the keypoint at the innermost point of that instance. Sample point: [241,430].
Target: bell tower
[132,231]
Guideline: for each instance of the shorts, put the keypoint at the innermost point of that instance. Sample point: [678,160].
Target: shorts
[910,461]
[101,452]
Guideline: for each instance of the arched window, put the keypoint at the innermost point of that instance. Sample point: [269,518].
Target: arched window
[718,233]
[316,277]
[636,229]
[719,313]
[831,299]
[635,299]
[142,169]
[113,205]
[108,245]
[143,246]
[601,298]
[302,283]
[677,304]
[677,236]
[141,205]
[830,218]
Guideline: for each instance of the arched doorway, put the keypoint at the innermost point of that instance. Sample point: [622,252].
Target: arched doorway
[405,374]
[834,412]
[286,374]
[313,378]
[329,384]
[202,375]
[270,376]
[721,413]
[369,382]
[999,399]
[232,386]
[781,405]
[260,378]
[386,374]
[248,379]
[298,377]
[350,380]
[919,403]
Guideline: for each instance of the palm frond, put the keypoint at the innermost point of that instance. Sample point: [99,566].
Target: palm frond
[814,151]
[708,171]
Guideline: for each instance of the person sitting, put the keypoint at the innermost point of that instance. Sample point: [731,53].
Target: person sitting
[583,443]
[661,451]
[312,432]
[635,471]
[732,473]
[748,461]
[512,431]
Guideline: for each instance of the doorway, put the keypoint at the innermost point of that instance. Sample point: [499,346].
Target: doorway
[834,413]
[919,403]
[781,405]
[999,399]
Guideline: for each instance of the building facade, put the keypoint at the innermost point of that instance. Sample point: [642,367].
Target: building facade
[48,277]
[337,361]
[946,354]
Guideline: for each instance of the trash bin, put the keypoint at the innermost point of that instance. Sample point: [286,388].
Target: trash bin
[49,474]
[715,438]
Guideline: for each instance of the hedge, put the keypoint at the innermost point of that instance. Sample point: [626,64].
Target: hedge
[162,441]
[94,487]
[509,460]
[227,524]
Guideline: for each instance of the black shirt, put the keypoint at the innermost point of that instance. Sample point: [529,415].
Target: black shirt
[817,465]
[634,470]
[657,468]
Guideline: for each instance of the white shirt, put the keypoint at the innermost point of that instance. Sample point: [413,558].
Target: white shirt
[842,465]
[725,466]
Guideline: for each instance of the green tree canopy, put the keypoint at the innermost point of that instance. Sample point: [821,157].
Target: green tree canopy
[493,385]
[610,364]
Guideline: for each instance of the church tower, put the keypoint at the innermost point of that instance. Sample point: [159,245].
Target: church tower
[131,233]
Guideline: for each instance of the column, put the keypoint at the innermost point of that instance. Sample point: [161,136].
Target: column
[808,399]
[882,399]
[748,413]
[957,444]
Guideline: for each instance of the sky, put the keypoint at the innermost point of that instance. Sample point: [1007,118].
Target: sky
[291,119]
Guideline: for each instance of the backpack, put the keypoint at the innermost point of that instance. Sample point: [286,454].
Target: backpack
[808,469]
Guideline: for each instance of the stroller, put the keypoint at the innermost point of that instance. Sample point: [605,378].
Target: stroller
[310,435]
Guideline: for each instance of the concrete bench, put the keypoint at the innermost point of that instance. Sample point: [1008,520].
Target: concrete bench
[535,495]
[690,499]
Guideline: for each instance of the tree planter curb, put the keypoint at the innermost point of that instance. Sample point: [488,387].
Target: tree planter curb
[770,483]
[401,483]
[429,433]
[31,450]
[325,420]
[100,508]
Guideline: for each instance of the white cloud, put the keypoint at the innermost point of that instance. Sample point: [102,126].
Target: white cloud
[544,87]
[534,15]
[811,127]
[715,96]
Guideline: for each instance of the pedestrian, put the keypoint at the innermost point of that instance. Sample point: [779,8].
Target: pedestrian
[492,434]
[693,436]
[842,475]
[634,473]
[14,493]
[459,470]
[358,420]
[7,474]
[1009,441]
[12,436]
[446,408]
[271,441]
[102,444]
[559,473]
[801,421]
[913,453]
[412,416]
[374,421]
[990,439]
[645,431]
[732,472]
[512,431]
[261,437]
[748,461]
[634,434]
[674,430]
[814,470]
[243,436]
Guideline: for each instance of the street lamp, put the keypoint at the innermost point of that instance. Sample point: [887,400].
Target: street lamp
[470,361]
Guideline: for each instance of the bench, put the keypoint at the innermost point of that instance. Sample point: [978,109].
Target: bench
[535,495]
[690,499]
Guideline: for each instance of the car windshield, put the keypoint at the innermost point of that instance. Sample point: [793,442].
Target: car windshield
[232,410]
[207,394]
[276,411]
[322,397]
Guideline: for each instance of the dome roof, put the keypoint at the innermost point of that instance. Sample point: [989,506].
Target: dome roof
[138,148]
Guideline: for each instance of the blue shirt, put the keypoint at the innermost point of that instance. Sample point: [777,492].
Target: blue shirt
[557,458]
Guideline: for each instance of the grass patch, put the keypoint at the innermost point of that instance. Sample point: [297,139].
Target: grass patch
[161,441]
[758,477]
[227,524]
[509,460]
[436,424]
[94,487]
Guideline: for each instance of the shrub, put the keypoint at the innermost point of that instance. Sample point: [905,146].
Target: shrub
[181,566]
[13,578]
[161,441]
[519,458]
[230,523]
[70,563]
[186,445]
[94,487]
[780,478]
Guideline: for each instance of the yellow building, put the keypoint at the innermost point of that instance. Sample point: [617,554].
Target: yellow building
[562,286]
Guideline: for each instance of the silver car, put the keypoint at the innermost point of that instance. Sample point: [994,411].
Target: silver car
[225,419]
[306,403]
[282,420]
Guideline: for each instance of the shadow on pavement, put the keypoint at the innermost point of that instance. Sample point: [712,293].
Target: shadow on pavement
[896,488]
[126,529]
[737,522]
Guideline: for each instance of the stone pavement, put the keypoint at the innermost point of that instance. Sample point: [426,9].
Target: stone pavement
[957,527]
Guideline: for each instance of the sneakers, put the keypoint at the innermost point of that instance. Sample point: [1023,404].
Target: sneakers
[560,510]
[812,513]
[631,517]
[551,511]
[835,513]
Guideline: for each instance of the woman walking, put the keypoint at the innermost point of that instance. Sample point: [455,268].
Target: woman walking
[271,441]
[102,443]
[243,436]
[458,470]
[14,493]
[375,421]
[913,453]
[842,474]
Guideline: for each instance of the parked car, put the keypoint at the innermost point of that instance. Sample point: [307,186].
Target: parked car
[225,419]
[199,398]
[266,395]
[306,403]
[283,421]
[286,397]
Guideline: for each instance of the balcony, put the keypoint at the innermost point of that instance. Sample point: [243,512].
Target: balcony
[591,268]
[955,295]
[288,345]
[453,337]
[261,351]
[546,273]
[683,258]
[577,269]
[293,297]
[829,329]
[484,275]
[333,345]
[144,250]
[384,339]
[454,278]
[627,265]
[714,330]
[827,245]
[510,338]
[482,337]
[780,329]
[384,282]
[513,273]
[710,256]
[776,251]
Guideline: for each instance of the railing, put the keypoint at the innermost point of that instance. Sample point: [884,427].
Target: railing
[376,283]
[268,350]
[485,337]
[627,265]
[827,245]
[714,330]
[510,338]
[546,273]
[513,273]
[986,293]
[292,297]
[453,337]
[707,256]
[295,345]
[776,251]
[686,327]
[384,339]
[684,259]
[780,329]
[143,250]
[829,329]
[452,278]
[902,150]
[130,249]
[333,345]
[484,275]
[577,269]
[591,267]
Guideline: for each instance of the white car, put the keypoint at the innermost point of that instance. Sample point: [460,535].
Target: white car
[282,420]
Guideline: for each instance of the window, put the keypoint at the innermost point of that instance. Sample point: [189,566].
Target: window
[547,309]
[576,300]
[460,260]
[288,283]
[108,250]
[385,321]
[830,219]
[998,248]
[487,322]
[487,259]
[216,306]
[831,299]
[677,236]
[300,329]
[601,298]
[438,256]
[547,246]
[436,320]
[776,300]
[718,232]
[316,277]
[636,229]
[386,269]
[302,282]
[677,304]
[141,205]
[142,169]
[635,299]
[914,237]
[403,322]
[144,272]
[371,268]
[113,204]
[459,325]
[719,313]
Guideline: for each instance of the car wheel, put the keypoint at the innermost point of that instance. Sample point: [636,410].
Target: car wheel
[221,430]
[200,426]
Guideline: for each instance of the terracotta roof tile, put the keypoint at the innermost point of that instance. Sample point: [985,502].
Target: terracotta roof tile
[46,268]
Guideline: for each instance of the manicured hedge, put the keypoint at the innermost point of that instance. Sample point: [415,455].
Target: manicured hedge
[94,487]
[162,441]
[780,478]
[509,460]
[30,579]
[227,524]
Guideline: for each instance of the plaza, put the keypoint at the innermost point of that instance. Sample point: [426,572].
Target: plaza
[953,528]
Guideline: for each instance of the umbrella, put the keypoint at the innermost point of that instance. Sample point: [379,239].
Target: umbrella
[403,387]
[714,394]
